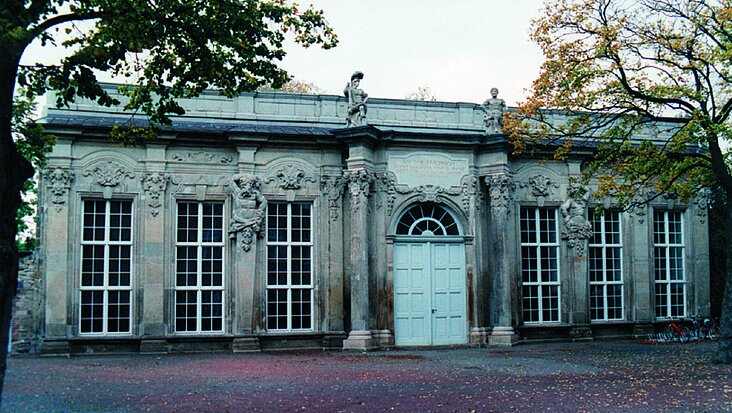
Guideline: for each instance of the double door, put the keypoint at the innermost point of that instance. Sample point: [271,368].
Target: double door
[430,294]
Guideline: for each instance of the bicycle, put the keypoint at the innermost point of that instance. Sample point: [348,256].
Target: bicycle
[709,329]
[677,331]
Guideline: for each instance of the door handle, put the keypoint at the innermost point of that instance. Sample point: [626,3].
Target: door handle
[434,310]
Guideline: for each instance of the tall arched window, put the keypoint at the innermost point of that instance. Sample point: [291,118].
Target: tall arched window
[427,220]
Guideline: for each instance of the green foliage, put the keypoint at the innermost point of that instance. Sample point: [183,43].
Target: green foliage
[168,49]
[34,144]
[658,69]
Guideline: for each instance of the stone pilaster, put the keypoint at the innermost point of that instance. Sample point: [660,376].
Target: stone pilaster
[501,190]
[637,223]
[359,187]
[154,184]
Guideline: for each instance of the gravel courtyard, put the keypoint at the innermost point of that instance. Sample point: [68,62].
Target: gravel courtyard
[562,377]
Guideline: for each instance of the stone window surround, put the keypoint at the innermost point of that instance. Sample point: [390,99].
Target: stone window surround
[684,248]
[561,279]
[199,289]
[313,260]
[605,283]
[81,197]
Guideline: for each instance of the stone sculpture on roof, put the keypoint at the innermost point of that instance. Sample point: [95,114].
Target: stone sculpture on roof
[494,109]
[356,101]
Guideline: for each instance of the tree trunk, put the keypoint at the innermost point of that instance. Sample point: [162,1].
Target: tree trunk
[14,171]
[724,352]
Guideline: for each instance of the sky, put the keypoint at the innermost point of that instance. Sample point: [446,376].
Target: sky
[460,49]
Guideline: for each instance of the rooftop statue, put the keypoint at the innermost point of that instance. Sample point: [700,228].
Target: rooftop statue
[356,101]
[494,109]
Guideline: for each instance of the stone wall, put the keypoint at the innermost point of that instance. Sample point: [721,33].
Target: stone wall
[27,308]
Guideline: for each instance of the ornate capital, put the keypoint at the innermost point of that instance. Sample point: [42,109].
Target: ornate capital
[58,181]
[332,187]
[577,229]
[500,189]
[154,184]
[359,187]
[249,209]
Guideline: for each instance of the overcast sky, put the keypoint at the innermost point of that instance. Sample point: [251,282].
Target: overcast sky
[457,48]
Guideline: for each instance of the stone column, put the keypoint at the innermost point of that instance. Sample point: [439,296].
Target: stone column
[360,338]
[501,189]
[699,256]
[577,230]
[332,190]
[639,280]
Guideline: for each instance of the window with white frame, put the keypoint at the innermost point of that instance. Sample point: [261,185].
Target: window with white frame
[105,286]
[199,274]
[668,259]
[539,265]
[289,266]
[606,267]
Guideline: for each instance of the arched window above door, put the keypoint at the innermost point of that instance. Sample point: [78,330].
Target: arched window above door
[427,220]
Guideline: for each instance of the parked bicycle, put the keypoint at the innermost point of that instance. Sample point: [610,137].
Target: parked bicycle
[706,329]
[677,331]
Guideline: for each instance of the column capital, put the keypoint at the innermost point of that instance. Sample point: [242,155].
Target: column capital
[501,189]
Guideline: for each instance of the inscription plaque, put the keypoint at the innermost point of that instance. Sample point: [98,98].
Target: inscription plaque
[428,168]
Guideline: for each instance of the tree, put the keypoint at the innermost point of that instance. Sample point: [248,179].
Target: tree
[168,49]
[423,93]
[294,86]
[619,67]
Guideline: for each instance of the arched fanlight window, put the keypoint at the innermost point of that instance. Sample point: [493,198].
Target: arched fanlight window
[427,220]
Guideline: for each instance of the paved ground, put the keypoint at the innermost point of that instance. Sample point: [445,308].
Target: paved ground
[566,377]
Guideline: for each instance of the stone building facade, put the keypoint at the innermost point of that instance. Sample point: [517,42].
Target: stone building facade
[265,222]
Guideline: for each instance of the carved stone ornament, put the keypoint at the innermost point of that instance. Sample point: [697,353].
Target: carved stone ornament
[202,157]
[387,184]
[154,184]
[58,181]
[359,187]
[702,200]
[500,190]
[290,177]
[357,99]
[540,186]
[577,229]
[470,188]
[332,187]
[494,109]
[109,173]
[249,210]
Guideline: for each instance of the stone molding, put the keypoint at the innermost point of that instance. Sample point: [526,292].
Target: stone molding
[387,184]
[290,177]
[154,184]
[576,229]
[109,173]
[58,181]
[702,200]
[540,186]
[202,157]
[248,212]
[501,188]
[333,187]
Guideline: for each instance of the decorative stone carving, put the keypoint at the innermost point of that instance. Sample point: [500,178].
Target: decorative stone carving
[202,157]
[702,200]
[387,182]
[500,189]
[470,188]
[200,185]
[577,229]
[58,181]
[249,210]
[154,184]
[494,109]
[359,187]
[108,173]
[332,187]
[540,186]
[290,177]
[356,101]
[427,193]
[639,203]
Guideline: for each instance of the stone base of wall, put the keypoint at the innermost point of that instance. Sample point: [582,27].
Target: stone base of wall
[27,308]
